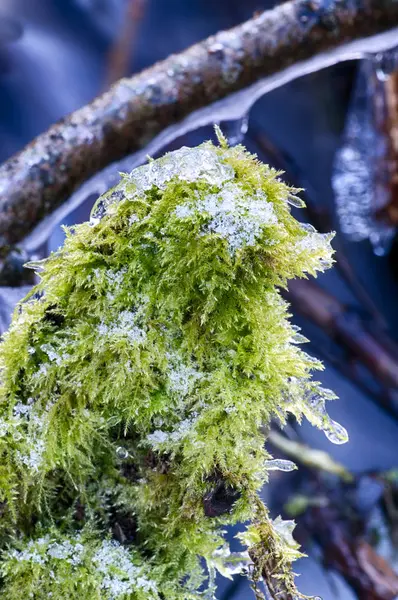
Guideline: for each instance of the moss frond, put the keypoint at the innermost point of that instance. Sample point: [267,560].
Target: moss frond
[138,374]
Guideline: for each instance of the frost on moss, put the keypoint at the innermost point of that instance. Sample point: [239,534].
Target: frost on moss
[135,380]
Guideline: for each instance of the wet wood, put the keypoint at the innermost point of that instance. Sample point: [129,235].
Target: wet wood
[387,188]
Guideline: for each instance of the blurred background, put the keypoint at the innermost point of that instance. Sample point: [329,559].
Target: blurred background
[334,133]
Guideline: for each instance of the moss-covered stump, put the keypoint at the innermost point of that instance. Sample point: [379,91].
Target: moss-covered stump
[136,378]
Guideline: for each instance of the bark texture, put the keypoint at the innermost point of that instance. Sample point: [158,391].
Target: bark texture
[124,119]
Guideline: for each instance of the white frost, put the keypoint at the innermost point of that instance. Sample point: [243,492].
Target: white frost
[234,215]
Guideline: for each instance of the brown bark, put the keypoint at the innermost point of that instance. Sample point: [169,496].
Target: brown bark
[133,111]
[388,212]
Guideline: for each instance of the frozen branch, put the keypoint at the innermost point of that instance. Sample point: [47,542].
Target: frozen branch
[42,176]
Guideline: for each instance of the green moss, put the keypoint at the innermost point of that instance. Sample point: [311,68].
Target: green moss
[137,375]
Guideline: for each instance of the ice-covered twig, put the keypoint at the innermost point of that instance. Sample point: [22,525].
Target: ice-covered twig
[291,40]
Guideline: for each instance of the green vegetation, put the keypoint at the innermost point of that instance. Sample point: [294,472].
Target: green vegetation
[137,376]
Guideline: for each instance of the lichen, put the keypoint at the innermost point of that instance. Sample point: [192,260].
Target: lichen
[137,378]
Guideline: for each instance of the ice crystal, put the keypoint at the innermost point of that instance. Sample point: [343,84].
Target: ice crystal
[180,430]
[181,377]
[312,399]
[66,550]
[126,325]
[313,242]
[186,164]
[280,464]
[230,563]
[234,216]
[22,410]
[120,576]
[34,458]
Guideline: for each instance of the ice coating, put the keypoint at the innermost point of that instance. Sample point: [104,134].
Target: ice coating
[233,215]
[317,415]
[360,178]
[231,563]
[280,464]
[296,201]
[312,398]
[187,164]
[234,107]
[181,377]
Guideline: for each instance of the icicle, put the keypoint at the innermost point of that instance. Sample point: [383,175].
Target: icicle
[36,265]
[335,432]
[308,228]
[280,464]
[296,201]
[386,63]
[312,398]
[231,108]
[236,130]
[359,183]
[298,338]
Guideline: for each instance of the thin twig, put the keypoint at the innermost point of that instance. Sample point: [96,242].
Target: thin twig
[120,55]
[346,328]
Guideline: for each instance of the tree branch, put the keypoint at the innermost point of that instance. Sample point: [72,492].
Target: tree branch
[123,120]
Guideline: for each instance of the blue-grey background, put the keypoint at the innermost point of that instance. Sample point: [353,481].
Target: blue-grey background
[53,59]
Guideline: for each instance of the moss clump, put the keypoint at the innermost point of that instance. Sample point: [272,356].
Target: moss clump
[135,380]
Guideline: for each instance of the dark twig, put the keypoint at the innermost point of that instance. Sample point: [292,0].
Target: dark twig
[346,328]
[38,179]
[387,184]
[350,554]
[120,55]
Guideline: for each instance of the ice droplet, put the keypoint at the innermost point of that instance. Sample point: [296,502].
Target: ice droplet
[335,432]
[296,201]
[121,452]
[280,464]
[298,338]
[311,398]
[386,63]
[325,263]
[308,227]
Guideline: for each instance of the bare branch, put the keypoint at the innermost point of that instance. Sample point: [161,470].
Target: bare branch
[123,120]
